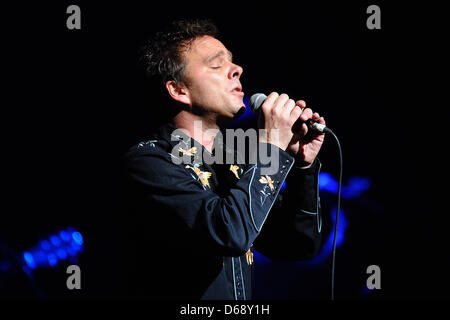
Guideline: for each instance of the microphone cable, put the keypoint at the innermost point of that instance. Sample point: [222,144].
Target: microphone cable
[337,214]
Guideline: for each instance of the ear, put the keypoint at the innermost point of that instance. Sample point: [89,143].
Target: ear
[178,91]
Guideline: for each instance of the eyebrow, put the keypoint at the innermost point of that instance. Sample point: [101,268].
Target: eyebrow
[218,55]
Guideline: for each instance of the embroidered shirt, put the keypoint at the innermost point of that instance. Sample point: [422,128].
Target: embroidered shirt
[195,225]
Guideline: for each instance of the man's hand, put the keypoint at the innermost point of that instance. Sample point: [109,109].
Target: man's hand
[305,145]
[280,113]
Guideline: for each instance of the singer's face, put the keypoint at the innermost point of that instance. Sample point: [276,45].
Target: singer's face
[212,79]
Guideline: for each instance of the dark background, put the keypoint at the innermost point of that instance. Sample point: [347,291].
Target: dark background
[76,100]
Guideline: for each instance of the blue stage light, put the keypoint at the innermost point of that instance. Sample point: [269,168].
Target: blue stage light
[283,186]
[260,259]
[55,241]
[327,248]
[77,237]
[61,253]
[327,182]
[341,227]
[365,291]
[354,188]
[28,257]
[52,259]
[71,251]
[75,246]
[47,253]
[64,235]
[45,245]
[247,119]
[39,257]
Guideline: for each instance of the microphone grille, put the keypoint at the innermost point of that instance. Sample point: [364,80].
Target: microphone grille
[256,101]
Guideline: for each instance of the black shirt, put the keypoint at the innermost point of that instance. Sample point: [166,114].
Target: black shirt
[195,225]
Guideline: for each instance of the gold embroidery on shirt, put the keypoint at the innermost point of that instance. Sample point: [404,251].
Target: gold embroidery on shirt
[249,256]
[189,152]
[234,169]
[267,180]
[202,175]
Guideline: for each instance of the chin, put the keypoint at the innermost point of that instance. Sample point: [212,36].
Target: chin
[240,111]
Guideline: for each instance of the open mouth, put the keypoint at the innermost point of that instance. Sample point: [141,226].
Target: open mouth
[238,91]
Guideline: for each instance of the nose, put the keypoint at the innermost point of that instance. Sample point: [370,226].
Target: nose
[235,71]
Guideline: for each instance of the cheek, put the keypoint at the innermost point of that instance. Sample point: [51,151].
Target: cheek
[209,85]
[206,88]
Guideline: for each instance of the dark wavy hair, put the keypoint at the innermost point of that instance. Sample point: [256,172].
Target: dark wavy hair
[162,56]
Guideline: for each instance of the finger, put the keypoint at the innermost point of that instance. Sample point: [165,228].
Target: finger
[306,114]
[301,104]
[317,118]
[322,121]
[280,102]
[293,117]
[296,112]
[269,102]
[304,129]
[288,107]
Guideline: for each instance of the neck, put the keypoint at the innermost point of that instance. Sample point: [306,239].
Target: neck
[201,128]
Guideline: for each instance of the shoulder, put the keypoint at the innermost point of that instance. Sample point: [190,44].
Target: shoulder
[159,143]
[155,151]
[152,146]
[159,156]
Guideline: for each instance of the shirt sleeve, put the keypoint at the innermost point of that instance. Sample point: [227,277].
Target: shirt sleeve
[227,224]
[294,229]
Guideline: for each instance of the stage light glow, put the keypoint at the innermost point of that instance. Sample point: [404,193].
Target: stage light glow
[28,257]
[327,182]
[77,237]
[64,235]
[55,241]
[62,254]
[341,227]
[328,244]
[354,188]
[45,245]
[52,259]
[246,118]
[71,251]
[260,258]
[39,257]
[49,252]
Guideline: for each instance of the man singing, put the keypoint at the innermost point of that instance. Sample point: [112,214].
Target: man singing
[196,224]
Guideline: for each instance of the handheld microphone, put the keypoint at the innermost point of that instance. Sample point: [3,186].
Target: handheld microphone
[258,99]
